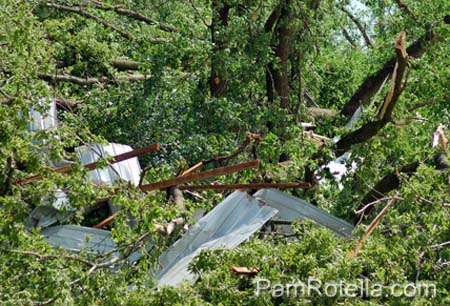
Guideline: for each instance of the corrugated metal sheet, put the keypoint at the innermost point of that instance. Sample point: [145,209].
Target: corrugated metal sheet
[291,208]
[226,226]
[128,170]
[77,238]
[51,211]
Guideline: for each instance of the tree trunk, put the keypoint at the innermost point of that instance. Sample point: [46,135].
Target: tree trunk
[277,75]
[220,11]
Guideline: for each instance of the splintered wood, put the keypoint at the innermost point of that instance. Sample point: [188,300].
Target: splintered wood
[370,229]
[244,271]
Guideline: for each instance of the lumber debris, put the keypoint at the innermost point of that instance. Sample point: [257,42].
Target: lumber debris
[301,185]
[375,222]
[201,176]
[244,271]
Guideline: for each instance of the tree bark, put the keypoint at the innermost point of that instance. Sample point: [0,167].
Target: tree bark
[277,75]
[217,82]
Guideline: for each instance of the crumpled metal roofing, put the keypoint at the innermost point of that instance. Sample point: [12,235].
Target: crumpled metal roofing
[77,238]
[51,211]
[128,170]
[291,208]
[226,226]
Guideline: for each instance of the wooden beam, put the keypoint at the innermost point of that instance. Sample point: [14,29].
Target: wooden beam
[181,180]
[91,166]
[192,169]
[108,220]
[201,176]
[302,185]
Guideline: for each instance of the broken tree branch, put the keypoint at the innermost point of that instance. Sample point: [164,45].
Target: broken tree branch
[391,181]
[388,183]
[403,6]
[370,129]
[349,38]
[426,103]
[80,11]
[65,104]
[221,159]
[124,64]
[359,25]
[118,9]
[175,195]
[56,78]
[372,84]
[370,229]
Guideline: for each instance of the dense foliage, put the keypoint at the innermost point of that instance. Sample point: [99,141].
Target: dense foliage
[197,76]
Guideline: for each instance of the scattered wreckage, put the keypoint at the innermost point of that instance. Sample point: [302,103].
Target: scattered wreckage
[231,222]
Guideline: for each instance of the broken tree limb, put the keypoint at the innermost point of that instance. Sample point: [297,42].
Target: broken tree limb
[118,9]
[388,183]
[302,185]
[174,194]
[372,84]
[124,64]
[65,104]
[91,166]
[371,129]
[248,140]
[391,181]
[319,113]
[426,103]
[202,175]
[396,87]
[359,25]
[82,12]
[370,229]
[56,78]
[406,9]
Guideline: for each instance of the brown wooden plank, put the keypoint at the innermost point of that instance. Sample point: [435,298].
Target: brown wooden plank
[181,180]
[108,220]
[192,169]
[302,185]
[201,176]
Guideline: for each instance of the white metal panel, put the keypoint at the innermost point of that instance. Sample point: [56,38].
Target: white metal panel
[77,238]
[291,208]
[226,226]
[42,121]
[128,170]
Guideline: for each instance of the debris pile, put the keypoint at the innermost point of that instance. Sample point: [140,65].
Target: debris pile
[227,225]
